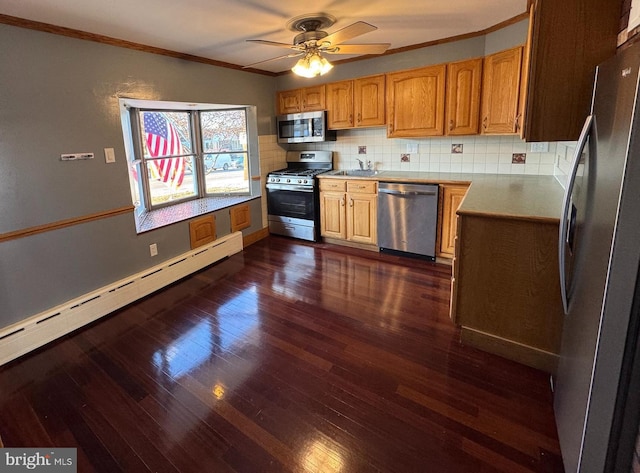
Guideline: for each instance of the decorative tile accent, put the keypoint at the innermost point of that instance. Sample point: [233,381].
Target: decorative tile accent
[362,150]
[405,158]
[456,148]
[518,158]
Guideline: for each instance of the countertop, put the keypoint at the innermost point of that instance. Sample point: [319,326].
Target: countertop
[516,196]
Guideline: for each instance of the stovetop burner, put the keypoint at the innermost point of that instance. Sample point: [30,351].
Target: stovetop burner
[302,168]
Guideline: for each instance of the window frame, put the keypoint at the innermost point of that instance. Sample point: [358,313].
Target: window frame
[197,153]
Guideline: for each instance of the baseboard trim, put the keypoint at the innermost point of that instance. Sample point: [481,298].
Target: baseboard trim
[255,236]
[525,354]
[40,329]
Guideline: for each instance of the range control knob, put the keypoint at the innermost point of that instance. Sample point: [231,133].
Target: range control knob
[277,179]
[305,182]
[288,180]
[299,181]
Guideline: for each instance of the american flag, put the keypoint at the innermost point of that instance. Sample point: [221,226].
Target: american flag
[162,139]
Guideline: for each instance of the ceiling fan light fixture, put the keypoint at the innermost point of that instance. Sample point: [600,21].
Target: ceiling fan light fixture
[312,65]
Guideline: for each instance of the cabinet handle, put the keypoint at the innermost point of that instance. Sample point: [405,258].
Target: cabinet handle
[484,122]
[350,202]
[359,118]
[450,125]
[342,202]
[516,124]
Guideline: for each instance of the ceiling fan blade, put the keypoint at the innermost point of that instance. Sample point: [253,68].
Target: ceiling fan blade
[272,43]
[272,59]
[356,29]
[373,48]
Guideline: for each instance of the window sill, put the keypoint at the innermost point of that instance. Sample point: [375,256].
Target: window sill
[154,219]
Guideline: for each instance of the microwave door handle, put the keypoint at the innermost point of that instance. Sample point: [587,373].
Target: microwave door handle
[565,221]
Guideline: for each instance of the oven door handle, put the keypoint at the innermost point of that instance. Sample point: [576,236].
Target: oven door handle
[285,187]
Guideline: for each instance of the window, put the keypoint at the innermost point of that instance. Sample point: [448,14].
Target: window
[180,155]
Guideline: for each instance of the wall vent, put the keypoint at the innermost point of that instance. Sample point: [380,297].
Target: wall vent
[40,329]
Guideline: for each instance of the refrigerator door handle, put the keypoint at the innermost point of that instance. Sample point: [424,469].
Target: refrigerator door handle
[565,221]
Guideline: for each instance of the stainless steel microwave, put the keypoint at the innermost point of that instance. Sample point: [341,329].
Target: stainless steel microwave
[304,127]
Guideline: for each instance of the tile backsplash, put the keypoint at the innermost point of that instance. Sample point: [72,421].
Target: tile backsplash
[475,154]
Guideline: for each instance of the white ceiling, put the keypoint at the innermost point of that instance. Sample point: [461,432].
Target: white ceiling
[218,29]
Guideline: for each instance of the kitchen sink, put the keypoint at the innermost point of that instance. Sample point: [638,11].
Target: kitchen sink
[356,172]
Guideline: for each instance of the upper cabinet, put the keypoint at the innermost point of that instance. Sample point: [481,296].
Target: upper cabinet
[369,100]
[340,105]
[356,103]
[569,38]
[301,100]
[415,102]
[501,92]
[464,81]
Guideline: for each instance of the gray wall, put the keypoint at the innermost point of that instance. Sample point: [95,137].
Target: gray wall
[60,95]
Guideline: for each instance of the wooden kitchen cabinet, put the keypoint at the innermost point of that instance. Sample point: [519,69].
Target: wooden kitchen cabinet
[464,82]
[501,92]
[451,196]
[415,101]
[356,103]
[340,105]
[306,99]
[505,287]
[568,40]
[348,210]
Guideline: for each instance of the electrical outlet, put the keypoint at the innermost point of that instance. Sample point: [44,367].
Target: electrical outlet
[412,148]
[153,249]
[542,147]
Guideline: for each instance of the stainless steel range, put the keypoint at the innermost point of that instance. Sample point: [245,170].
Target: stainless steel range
[292,195]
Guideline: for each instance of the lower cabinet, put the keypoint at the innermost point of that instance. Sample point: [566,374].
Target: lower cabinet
[451,196]
[506,289]
[348,210]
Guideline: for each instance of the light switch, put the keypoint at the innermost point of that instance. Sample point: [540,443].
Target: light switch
[109,155]
[412,148]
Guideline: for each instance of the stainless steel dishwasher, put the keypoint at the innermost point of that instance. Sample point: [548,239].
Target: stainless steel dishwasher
[407,218]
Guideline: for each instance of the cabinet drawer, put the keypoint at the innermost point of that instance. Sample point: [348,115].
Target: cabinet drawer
[365,187]
[333,185]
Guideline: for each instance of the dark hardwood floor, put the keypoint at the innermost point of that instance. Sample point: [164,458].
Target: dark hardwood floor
[291,356]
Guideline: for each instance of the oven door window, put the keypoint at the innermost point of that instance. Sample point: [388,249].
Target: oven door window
[290,203]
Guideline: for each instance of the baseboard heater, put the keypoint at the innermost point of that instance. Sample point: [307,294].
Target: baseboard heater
[32,333]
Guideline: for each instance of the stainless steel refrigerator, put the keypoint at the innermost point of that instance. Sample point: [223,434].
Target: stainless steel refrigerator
[596,386]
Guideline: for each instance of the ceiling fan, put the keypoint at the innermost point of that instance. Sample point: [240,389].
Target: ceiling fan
[312,40]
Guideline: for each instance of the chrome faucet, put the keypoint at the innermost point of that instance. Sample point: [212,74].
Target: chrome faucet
[361,163]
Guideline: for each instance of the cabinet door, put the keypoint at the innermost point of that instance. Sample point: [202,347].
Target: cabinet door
[313,98]
[501,91]
[340,105]
[464,80]
[362,218]
[332,215]
[569,39]
[368,101]
[451,198]
[415,102]
[289,101]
